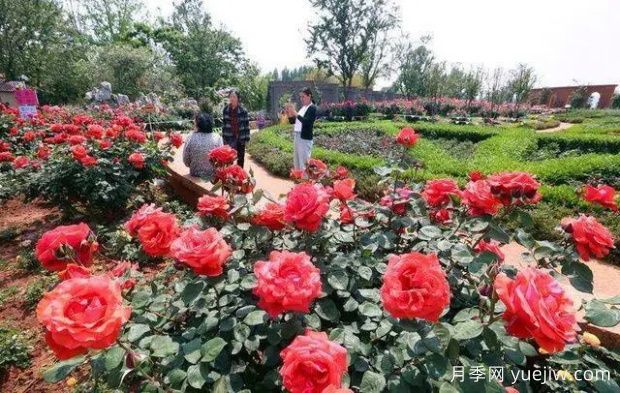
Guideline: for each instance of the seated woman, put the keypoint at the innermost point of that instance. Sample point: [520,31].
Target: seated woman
[198,146]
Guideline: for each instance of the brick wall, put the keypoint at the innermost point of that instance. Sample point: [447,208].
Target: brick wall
[560,96]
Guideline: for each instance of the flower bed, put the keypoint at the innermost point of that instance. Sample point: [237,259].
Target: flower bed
[80,161]
[326,292]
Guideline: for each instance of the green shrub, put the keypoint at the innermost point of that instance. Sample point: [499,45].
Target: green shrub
[13,350]
[36,289]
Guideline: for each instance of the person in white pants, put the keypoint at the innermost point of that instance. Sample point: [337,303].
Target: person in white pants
[303,129]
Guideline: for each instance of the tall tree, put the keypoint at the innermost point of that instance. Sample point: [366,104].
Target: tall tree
[496,89]
[205,57]
[522,80]
[342,38]
[415,63]
[106,21]
[473,82]
[36,41]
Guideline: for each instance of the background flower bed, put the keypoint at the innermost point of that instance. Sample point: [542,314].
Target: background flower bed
[590,157]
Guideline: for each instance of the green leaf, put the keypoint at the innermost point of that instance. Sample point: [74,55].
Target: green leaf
[429,232]
[370,310]
[176,377]
[467,330]
[372,382]
[192,291]
[61,370]
[163,346]
[254,318]
[365,272]
[611,300]
[338,279]
[192,350]
[606,385]
[212,348]
[113,357]
[326,309]
[197,375]
[136,331]
[581,276]
[600,314]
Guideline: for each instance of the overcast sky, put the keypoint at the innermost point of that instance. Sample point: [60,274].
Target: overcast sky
[566,41]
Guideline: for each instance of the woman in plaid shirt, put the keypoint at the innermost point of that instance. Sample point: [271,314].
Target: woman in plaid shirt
[236,127]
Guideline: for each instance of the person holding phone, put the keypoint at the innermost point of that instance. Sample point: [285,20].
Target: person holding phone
[303,129]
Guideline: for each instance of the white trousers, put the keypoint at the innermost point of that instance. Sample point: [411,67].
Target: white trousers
[302,149]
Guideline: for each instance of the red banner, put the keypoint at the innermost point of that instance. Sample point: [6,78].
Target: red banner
[26,97]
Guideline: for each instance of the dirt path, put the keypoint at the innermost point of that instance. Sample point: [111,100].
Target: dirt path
[561,127]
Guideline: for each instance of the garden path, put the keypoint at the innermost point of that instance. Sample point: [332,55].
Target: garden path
[561,127]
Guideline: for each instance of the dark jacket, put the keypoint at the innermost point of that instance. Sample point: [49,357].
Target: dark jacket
[244,124]
[307,122]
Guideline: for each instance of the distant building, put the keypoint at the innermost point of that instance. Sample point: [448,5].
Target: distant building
[328,93]
[558,97]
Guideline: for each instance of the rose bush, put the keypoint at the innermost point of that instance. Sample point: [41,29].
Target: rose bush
[387,300]
[83,162]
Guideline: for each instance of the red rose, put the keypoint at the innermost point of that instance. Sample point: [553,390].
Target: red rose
[398,201]
[137,160]
[157,232]
[592,239]
[43,152]
[113,132]
[139,217]
[57,128]
[29,136]
[334,389]
[235,178]
[492,247]
[476,175]
[216,206]
[79,151]
[74,271]
[537,307]
[287,282]
[205,252]
[296,174]
[515,188]
[441,216]
[341,173]
[346,215]
[316,169]
[176,139]
[158,135]
[105,144]
[71,129]
[415,286]
[135,135]
[407,137]
[95,131]
[312,363]
[344,189]
[223,156]
[305,207]
[88,161]
[478,197]
[123,121]
[76,139]
[437,192]
[6,156]
[81,314]
[271,216]
[64,244]
[602,195]
[21,162]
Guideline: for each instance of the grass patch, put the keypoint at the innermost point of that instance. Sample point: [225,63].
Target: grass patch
[13,350]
